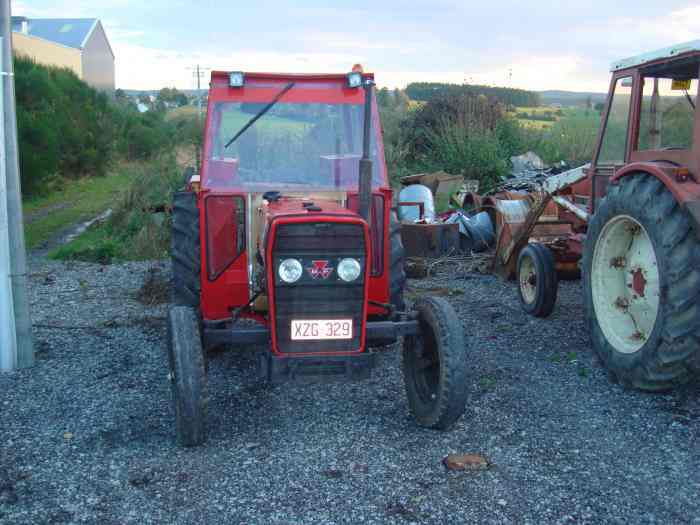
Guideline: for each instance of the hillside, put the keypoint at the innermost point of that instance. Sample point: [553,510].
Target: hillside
[570,98]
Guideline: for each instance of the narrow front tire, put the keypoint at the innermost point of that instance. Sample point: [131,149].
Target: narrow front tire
[435,366]
[187,376]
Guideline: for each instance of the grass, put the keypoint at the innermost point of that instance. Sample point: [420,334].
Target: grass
[94,245]
[79,200]
[136,230]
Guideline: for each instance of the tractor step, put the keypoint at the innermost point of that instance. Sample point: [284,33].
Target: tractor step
[315,369]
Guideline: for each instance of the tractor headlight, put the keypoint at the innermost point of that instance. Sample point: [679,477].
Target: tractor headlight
[290,270]
[349,269]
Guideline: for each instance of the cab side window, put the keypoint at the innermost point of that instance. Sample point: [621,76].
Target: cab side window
[668,108]
[614,143]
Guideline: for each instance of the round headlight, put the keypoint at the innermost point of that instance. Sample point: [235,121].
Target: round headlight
[349,270]
[290,270]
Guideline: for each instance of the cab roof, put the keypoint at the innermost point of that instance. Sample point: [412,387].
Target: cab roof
[666,52]
[292,76]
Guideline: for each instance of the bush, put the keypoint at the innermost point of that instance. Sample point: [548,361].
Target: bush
[472,152]
[139,222]
[473,113]
[571,139]
[68,129]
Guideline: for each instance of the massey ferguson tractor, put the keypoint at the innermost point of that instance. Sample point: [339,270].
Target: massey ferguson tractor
[638,206]
[287,238]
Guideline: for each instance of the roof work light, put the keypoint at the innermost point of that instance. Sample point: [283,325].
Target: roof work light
[236,79]
[354,79]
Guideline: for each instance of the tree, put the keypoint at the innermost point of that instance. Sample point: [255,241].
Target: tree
[383,97]
[171,97]
[401,100]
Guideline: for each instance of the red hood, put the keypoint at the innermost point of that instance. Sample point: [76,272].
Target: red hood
[310,207]
[301,207]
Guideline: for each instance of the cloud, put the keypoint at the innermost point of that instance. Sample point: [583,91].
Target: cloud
[532,45]
[141,67]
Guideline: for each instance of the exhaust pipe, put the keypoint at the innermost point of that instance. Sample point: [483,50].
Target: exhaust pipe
[365,175]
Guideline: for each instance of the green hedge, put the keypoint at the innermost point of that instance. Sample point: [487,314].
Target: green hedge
[67,129]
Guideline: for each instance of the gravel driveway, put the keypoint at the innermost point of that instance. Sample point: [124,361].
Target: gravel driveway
[86,435]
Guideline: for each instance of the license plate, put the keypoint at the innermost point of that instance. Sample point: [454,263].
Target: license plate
[317,329]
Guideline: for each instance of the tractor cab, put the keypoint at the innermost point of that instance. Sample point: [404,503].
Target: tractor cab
[650,116]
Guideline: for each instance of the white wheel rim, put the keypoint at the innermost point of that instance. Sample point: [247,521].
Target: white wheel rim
[528,280]
[625,284]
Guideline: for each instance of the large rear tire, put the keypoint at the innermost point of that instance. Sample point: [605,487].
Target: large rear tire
[185,249]
[435,366]
[642,285]
[187,376]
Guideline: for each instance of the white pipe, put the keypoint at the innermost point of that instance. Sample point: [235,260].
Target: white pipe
[8,335]
[579,212]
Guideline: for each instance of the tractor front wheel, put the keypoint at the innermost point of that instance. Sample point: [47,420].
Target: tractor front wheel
[435,365]
[642,285]
[187,375]
[537,280]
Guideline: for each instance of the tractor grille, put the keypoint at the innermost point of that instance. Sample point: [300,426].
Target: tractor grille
[318,298]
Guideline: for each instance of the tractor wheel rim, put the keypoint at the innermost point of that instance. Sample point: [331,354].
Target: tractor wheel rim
[625,284]
[528,280]
[427,369]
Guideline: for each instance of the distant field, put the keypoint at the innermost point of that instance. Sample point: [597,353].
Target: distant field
[544,117]
[234,120]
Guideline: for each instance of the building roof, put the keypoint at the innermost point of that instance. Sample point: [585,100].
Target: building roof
[70,32]
[667,52]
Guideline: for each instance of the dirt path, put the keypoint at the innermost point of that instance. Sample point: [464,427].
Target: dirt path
[65,235]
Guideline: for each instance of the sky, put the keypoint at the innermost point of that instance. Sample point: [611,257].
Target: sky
[535,45]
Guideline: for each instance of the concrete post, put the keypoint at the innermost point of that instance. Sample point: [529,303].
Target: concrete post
[8,335]
[18,256]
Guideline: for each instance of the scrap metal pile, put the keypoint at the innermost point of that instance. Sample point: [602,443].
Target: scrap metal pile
[537,203]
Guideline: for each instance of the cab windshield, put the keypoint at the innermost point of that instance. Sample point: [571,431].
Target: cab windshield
[292,145]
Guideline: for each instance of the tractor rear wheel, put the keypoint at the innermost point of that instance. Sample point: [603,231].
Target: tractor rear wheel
[184,249]
[642,285]
[435,365]
[537,280]
[187,376]
[397,274]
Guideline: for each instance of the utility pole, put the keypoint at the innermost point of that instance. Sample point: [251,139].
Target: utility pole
[198,73]
[24,350]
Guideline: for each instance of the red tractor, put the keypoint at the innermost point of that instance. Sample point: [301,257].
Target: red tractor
[287,238]
[639,207]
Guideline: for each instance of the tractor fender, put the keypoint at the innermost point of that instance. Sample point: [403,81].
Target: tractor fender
[684,188]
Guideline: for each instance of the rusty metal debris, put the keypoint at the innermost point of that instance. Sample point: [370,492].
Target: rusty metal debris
[537,204]
[466,462]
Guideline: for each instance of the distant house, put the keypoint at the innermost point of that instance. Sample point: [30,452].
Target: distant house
[79,44]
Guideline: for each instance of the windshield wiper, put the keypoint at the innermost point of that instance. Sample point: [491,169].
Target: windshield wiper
[260,113]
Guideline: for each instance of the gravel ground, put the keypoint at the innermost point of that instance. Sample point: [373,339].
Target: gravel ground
[86,435]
